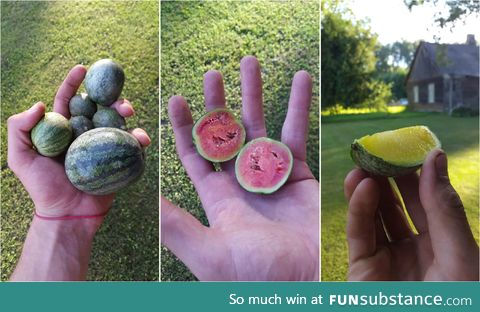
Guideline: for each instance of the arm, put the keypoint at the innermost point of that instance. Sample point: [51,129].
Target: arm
[56,250]
[58,243]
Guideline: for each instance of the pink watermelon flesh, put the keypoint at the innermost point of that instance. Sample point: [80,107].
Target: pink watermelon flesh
[218,135]
[263,165]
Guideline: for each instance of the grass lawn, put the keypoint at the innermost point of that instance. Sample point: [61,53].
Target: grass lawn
[459,137]
[41,41]
[197,37]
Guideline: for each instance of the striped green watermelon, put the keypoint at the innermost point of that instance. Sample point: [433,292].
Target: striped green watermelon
[104,82]
[82,105]
[104,160]
[108,117]
[80,124]
[51,135]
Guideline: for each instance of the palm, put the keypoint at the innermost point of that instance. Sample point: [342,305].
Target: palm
[46,195]
[257,231]
[44,178]
[251,236]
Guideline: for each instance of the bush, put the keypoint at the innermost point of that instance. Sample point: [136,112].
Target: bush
[463,111]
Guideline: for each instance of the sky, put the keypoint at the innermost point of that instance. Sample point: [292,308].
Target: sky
[392,21]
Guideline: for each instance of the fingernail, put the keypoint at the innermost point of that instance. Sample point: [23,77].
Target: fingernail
[36,106]
[441,165]
[128,109]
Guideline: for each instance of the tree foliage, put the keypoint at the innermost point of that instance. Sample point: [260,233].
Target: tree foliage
[395,55]
[457,10]
[348,61]
[392,62]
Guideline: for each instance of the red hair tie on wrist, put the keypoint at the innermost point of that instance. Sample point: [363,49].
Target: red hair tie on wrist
[71,217]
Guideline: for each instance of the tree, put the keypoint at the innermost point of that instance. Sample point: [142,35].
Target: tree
[396,55]
[348,61]
[391,67]
[457,10]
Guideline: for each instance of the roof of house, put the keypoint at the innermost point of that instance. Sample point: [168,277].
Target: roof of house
[434,59]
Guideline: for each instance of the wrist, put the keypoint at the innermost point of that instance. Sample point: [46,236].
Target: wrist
[56,250]
[82,229]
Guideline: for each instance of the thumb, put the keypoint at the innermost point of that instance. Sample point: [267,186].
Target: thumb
[185,236]
[447,222]
[20,150]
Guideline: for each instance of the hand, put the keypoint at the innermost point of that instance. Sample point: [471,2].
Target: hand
[444,248]
[44,178]
[251,236]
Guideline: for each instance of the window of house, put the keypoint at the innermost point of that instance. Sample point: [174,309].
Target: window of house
[431,93]
[415,94]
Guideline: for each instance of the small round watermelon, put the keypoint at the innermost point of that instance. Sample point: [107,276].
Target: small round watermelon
[104,82]
[51,135]
[82,105]
[108,117]
[104,160]
[263,165]
[80,124]
[218,135]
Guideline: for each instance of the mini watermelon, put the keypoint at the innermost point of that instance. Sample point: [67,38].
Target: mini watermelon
[110,118]
[263,165]
[82,105]
[104,82]
[104,160]
[218,135]
[80,124]
[51,135]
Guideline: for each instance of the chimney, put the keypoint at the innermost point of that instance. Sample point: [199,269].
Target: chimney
[471,39]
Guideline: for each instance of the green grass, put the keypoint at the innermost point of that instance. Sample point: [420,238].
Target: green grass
[459,137]
[197,37]
[41,41]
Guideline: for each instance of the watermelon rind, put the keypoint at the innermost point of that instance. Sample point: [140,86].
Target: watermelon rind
[275,187]
[80,124]
[104,82]
[104,160]
[51,135]
[376,165]
[380,167]
[82,105]
[196,139]
[110,118]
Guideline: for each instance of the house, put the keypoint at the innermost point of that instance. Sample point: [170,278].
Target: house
[443,77]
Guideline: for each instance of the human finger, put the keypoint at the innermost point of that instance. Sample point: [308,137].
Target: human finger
[182,123]
[295,127]
[352,180]
[20,149]
[408,187]
[185,236]
[142,136]
[252,102]
[68,89]
[123,107]
[361,226]
[213,90]
[391,211]
[448,226]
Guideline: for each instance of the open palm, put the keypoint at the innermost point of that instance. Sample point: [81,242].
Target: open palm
[251,236]
[44,178]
